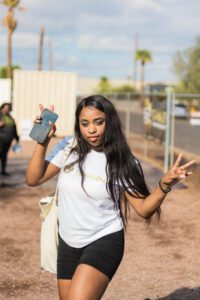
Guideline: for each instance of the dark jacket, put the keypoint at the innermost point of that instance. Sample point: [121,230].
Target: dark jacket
[8,131]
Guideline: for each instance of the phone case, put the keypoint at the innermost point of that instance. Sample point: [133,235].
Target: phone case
[40,131]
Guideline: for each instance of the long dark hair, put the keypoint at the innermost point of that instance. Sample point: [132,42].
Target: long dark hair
[123,168]
[4,104]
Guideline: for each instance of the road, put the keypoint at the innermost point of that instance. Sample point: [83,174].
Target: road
[187,137]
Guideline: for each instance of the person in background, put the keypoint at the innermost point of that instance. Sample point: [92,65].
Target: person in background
[96,184]
[8,132]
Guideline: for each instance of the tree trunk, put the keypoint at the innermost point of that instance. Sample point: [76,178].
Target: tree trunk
[9,54]
[142,77]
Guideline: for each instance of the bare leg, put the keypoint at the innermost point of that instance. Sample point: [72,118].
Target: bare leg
[63,288]
[87,284]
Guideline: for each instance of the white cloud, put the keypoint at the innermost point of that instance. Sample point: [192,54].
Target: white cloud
[106,43]
[61,41]
[25,40]
[73,61]
[99,23]
[185,24]
[86,32]
[22,40]
[143,4]
[62,60]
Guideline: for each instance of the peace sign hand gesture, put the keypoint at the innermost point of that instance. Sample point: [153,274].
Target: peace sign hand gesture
[177,172]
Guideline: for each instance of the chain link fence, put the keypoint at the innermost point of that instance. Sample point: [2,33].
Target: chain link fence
[160,125]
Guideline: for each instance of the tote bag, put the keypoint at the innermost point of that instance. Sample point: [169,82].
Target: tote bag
[49,227]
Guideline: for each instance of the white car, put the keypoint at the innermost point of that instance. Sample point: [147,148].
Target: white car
[180,111]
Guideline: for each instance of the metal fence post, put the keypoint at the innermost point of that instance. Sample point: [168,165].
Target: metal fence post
[128,112]
[169,92]
[172,138]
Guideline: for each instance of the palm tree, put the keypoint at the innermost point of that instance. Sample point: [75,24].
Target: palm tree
[144,56]
[11,25]
[104,85]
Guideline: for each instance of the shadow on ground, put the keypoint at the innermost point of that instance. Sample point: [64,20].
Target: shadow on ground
[182,294]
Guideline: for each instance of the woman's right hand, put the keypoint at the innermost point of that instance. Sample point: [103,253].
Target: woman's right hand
[39,170]
[53,126]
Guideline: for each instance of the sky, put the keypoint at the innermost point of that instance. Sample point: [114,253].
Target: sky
[97,38]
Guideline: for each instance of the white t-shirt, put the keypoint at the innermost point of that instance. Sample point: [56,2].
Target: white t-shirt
[84,218]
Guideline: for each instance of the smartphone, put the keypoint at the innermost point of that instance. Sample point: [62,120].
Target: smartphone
[41,130]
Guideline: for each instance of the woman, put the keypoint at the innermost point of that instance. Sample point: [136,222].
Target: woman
[8,132]
[96,183]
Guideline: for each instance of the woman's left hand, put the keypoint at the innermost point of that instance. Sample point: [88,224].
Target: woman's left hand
[177,172]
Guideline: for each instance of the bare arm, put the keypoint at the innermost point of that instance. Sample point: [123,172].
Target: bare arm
[147,207]
[39,170]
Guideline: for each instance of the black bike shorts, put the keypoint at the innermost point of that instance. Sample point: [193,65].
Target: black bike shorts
[104,254]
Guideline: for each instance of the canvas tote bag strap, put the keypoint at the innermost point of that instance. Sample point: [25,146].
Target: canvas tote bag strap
[67,151]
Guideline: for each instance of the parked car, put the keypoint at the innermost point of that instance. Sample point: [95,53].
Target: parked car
[180,111]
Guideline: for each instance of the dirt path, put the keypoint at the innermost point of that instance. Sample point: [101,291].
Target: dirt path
[160,262]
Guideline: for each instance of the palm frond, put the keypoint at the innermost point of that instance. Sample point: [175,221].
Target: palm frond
[143,55]
[10,3]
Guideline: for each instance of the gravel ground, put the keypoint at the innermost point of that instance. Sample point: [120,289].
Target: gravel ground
[161,260]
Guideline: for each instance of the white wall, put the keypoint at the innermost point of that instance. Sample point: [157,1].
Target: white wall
[5,90]
[34,87]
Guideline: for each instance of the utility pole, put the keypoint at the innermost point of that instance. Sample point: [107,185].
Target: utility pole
[40,54]
[50,55]
[136,47]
